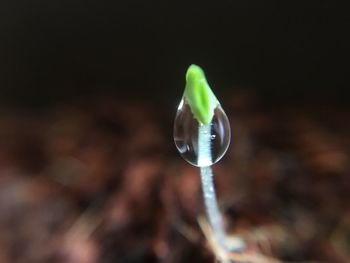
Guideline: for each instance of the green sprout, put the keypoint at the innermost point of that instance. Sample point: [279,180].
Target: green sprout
[197,138]
[199,95]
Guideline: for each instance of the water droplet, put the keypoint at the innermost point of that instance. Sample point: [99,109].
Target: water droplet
[214,137]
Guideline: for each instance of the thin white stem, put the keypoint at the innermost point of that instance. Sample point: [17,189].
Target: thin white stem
[204,161]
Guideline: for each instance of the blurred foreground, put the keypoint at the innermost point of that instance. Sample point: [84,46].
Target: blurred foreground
[102,182]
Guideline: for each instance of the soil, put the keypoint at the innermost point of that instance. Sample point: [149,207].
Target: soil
[101,181]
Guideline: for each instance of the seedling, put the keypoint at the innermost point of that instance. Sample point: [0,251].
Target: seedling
[202,135]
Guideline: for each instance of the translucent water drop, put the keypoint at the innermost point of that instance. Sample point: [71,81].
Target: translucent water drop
[188,132]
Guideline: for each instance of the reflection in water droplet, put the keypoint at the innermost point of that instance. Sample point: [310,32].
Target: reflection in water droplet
[186,135]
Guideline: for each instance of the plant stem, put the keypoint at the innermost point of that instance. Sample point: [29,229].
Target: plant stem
[204,161]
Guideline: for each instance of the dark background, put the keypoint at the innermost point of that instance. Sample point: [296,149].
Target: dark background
[54,50]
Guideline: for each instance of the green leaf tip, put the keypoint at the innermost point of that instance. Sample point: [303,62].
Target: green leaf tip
[199,95]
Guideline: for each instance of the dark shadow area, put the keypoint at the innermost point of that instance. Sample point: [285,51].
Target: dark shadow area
[61,49]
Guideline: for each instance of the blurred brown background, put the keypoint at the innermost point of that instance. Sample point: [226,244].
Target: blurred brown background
[88,93]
